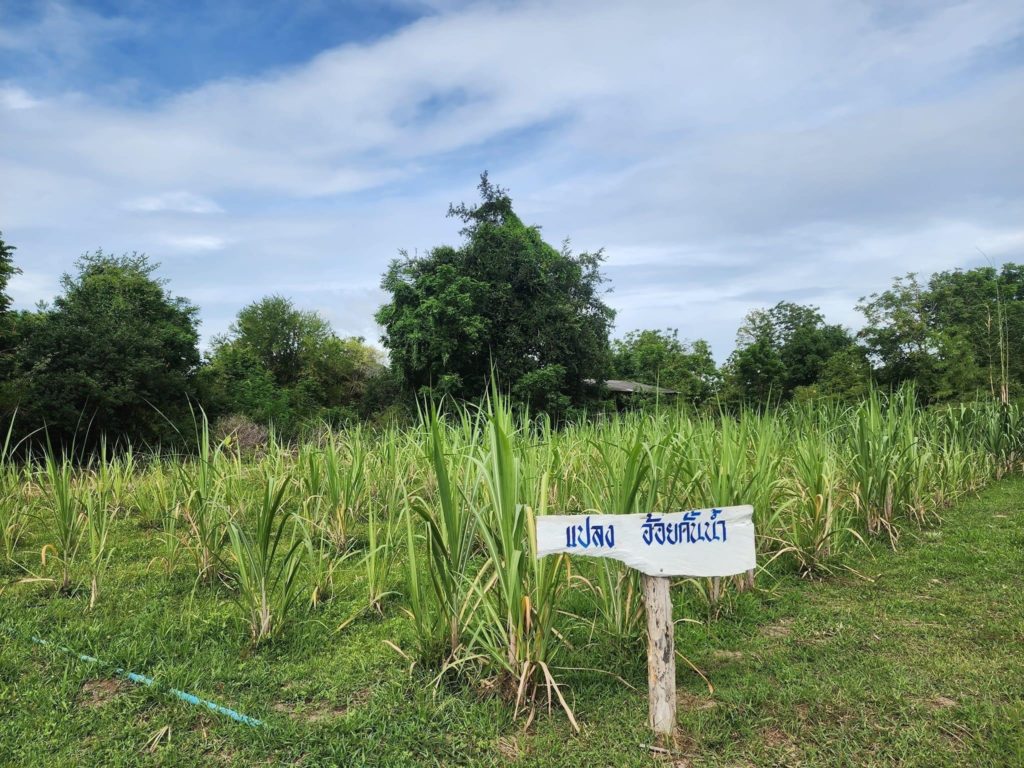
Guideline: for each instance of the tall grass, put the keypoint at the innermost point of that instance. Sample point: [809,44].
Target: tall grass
[202,508]
[99,515]
[266,565]
[13,512]
[516,593]
[344,484]
[614,485]
[814,525]
[436,521]
[65,520]
[449,529]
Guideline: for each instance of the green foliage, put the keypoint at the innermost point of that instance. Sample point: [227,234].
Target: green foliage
[450,525]
[280,336]
[13,513]
[847,375]
[8,269]
[504,301]
[267,566]
[899,337]
[99,514]
[115,354]
[954,336]
[660,358]
[281,365]
[815,525]
[8,322]
[202,490]
[918,667]
[65,519]
[779,350]
[517,593]
[439,520]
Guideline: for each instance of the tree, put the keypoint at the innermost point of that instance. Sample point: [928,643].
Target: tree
[280,336]
[902,342]
[980,313]
[781,349]
[659,357]
[846,375]
[504,301]
[955,335]
[755,372]
[236,381]
[115,355]
[283,365]
[8,269]
[8,332]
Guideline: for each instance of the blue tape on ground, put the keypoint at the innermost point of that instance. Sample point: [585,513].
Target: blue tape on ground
[189,698]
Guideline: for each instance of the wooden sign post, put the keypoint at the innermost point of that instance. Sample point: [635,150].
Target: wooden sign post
[699,542]
[661,656]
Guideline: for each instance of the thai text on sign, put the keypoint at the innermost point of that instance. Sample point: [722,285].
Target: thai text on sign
[698,542]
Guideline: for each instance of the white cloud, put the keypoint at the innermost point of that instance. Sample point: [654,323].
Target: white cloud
[15,98]
[183,202]
[196,242]
[62,34]
[727,154]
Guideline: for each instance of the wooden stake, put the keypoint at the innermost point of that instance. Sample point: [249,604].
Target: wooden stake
[661,656]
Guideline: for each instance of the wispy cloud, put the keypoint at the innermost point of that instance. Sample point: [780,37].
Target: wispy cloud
[182,202]
[14,98]
[196,242]
[725,153]
[58,35]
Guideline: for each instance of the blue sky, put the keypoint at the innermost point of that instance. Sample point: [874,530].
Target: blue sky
[725,155]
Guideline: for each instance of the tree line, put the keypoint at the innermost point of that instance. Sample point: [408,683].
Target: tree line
[116,353]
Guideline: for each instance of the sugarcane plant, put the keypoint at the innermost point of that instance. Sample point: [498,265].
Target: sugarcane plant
[515,594]
[202,509]
[13,510]
[99,514]
[266,563]
[65,518]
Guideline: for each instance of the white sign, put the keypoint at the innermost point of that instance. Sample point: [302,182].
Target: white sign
[700,542]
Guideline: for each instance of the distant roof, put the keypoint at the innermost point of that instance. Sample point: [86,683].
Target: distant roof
[631,387]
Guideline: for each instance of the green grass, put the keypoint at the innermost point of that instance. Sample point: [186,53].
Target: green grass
[921,666]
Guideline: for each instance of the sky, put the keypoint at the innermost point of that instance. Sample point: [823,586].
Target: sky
[726,156]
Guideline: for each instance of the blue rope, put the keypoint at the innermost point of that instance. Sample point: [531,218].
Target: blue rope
[149,681]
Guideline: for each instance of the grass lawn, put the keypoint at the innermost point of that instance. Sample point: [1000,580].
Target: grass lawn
[919,664]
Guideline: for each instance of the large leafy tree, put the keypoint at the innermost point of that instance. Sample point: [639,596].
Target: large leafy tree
[899,338]
[659,357]
[955,335]
[8,333]
[782,349]
[284,365]
[505,301]
[279,335]
[8,269]
[116,354]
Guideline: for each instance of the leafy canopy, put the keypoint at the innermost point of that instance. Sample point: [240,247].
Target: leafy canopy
[781,349]
[504,298]
[8,330]
[115,353]
[659,357]
[284,365]
[956,336]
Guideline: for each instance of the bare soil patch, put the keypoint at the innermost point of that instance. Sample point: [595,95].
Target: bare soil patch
[720,655]
[96,693]
[319,711]
[780,629]
[694,702]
